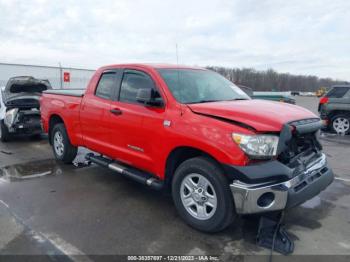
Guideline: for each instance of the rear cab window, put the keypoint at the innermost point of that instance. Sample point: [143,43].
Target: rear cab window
[106,86]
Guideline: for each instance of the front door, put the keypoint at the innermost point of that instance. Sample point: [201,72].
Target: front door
[133,124]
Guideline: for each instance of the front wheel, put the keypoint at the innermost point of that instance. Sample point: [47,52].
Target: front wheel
[202,195]
[62,148]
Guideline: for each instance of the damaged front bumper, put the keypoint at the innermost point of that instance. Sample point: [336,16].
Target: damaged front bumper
[258,197]
[23,121]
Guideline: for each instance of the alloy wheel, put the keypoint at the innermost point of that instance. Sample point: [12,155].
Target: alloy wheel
[198,196]
[341,125]
[58,143]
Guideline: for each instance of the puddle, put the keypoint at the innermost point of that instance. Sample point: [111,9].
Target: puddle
[30,170]
[6,152]
[311,213]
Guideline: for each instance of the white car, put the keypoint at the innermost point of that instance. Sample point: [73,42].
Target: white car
[20,107]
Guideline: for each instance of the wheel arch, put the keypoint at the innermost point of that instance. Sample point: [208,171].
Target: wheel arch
[53,120]
[180,154]
[334,113]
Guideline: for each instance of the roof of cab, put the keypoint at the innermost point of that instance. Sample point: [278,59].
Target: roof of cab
[153,66]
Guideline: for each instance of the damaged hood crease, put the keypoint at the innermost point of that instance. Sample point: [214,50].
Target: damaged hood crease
[260,115]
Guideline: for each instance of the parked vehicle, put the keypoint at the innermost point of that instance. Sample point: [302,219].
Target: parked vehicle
[19,106]
[334,109]
[307,94]
[321,91]
[191,131]
[249,91]
[274,96]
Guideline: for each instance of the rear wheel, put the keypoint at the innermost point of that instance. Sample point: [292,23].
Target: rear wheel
[62,148]
[341,124]
[4,132]
[202,195]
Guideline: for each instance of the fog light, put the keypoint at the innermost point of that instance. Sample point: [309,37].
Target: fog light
[266,199]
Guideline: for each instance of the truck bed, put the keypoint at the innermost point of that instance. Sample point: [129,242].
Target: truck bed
[66,92]
[64,104]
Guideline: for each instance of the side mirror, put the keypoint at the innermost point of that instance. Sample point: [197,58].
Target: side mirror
[146,96]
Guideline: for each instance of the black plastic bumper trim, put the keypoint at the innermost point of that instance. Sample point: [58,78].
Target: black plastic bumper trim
[271,171]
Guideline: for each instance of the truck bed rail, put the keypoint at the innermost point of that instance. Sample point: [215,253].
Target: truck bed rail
[66,92]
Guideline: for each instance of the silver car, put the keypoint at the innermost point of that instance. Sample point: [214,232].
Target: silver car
[20,107]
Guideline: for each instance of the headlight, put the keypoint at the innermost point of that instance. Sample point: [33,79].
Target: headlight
[257,146]
[10,117]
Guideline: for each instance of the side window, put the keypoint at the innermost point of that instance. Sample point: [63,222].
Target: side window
[132,82]
[338,92]
[105,85]
[347,94]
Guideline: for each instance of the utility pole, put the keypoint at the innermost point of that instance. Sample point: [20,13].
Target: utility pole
[61,75]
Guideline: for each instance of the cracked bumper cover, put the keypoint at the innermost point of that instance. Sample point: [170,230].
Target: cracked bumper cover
[253,182]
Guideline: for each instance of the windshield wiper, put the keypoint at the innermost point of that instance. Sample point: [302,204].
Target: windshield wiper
[204,101]
[235,99]
[209,101]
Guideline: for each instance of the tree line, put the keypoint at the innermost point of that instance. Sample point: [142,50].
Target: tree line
[270,80]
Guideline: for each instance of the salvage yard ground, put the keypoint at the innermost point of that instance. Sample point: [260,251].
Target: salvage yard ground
[48,208]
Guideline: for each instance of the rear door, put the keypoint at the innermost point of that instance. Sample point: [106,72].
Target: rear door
[95,112]
[136,129]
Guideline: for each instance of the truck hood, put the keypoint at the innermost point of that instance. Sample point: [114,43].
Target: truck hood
[26,84]
[23,86]
[263,116]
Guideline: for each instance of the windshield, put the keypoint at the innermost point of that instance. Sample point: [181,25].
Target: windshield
[190,86]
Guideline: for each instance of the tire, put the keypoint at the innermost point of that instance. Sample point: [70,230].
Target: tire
[4,132]
[341,124]
[62,148]
[203,212]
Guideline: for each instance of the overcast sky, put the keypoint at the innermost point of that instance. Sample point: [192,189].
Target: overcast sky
[303,37]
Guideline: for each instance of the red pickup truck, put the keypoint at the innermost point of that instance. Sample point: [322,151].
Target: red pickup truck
[191,131]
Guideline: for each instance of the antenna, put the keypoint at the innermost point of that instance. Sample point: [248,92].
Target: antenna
[178,73]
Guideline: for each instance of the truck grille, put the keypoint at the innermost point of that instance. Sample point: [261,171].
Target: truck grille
[23,103]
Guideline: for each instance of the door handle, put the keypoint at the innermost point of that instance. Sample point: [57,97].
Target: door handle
[116,111]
